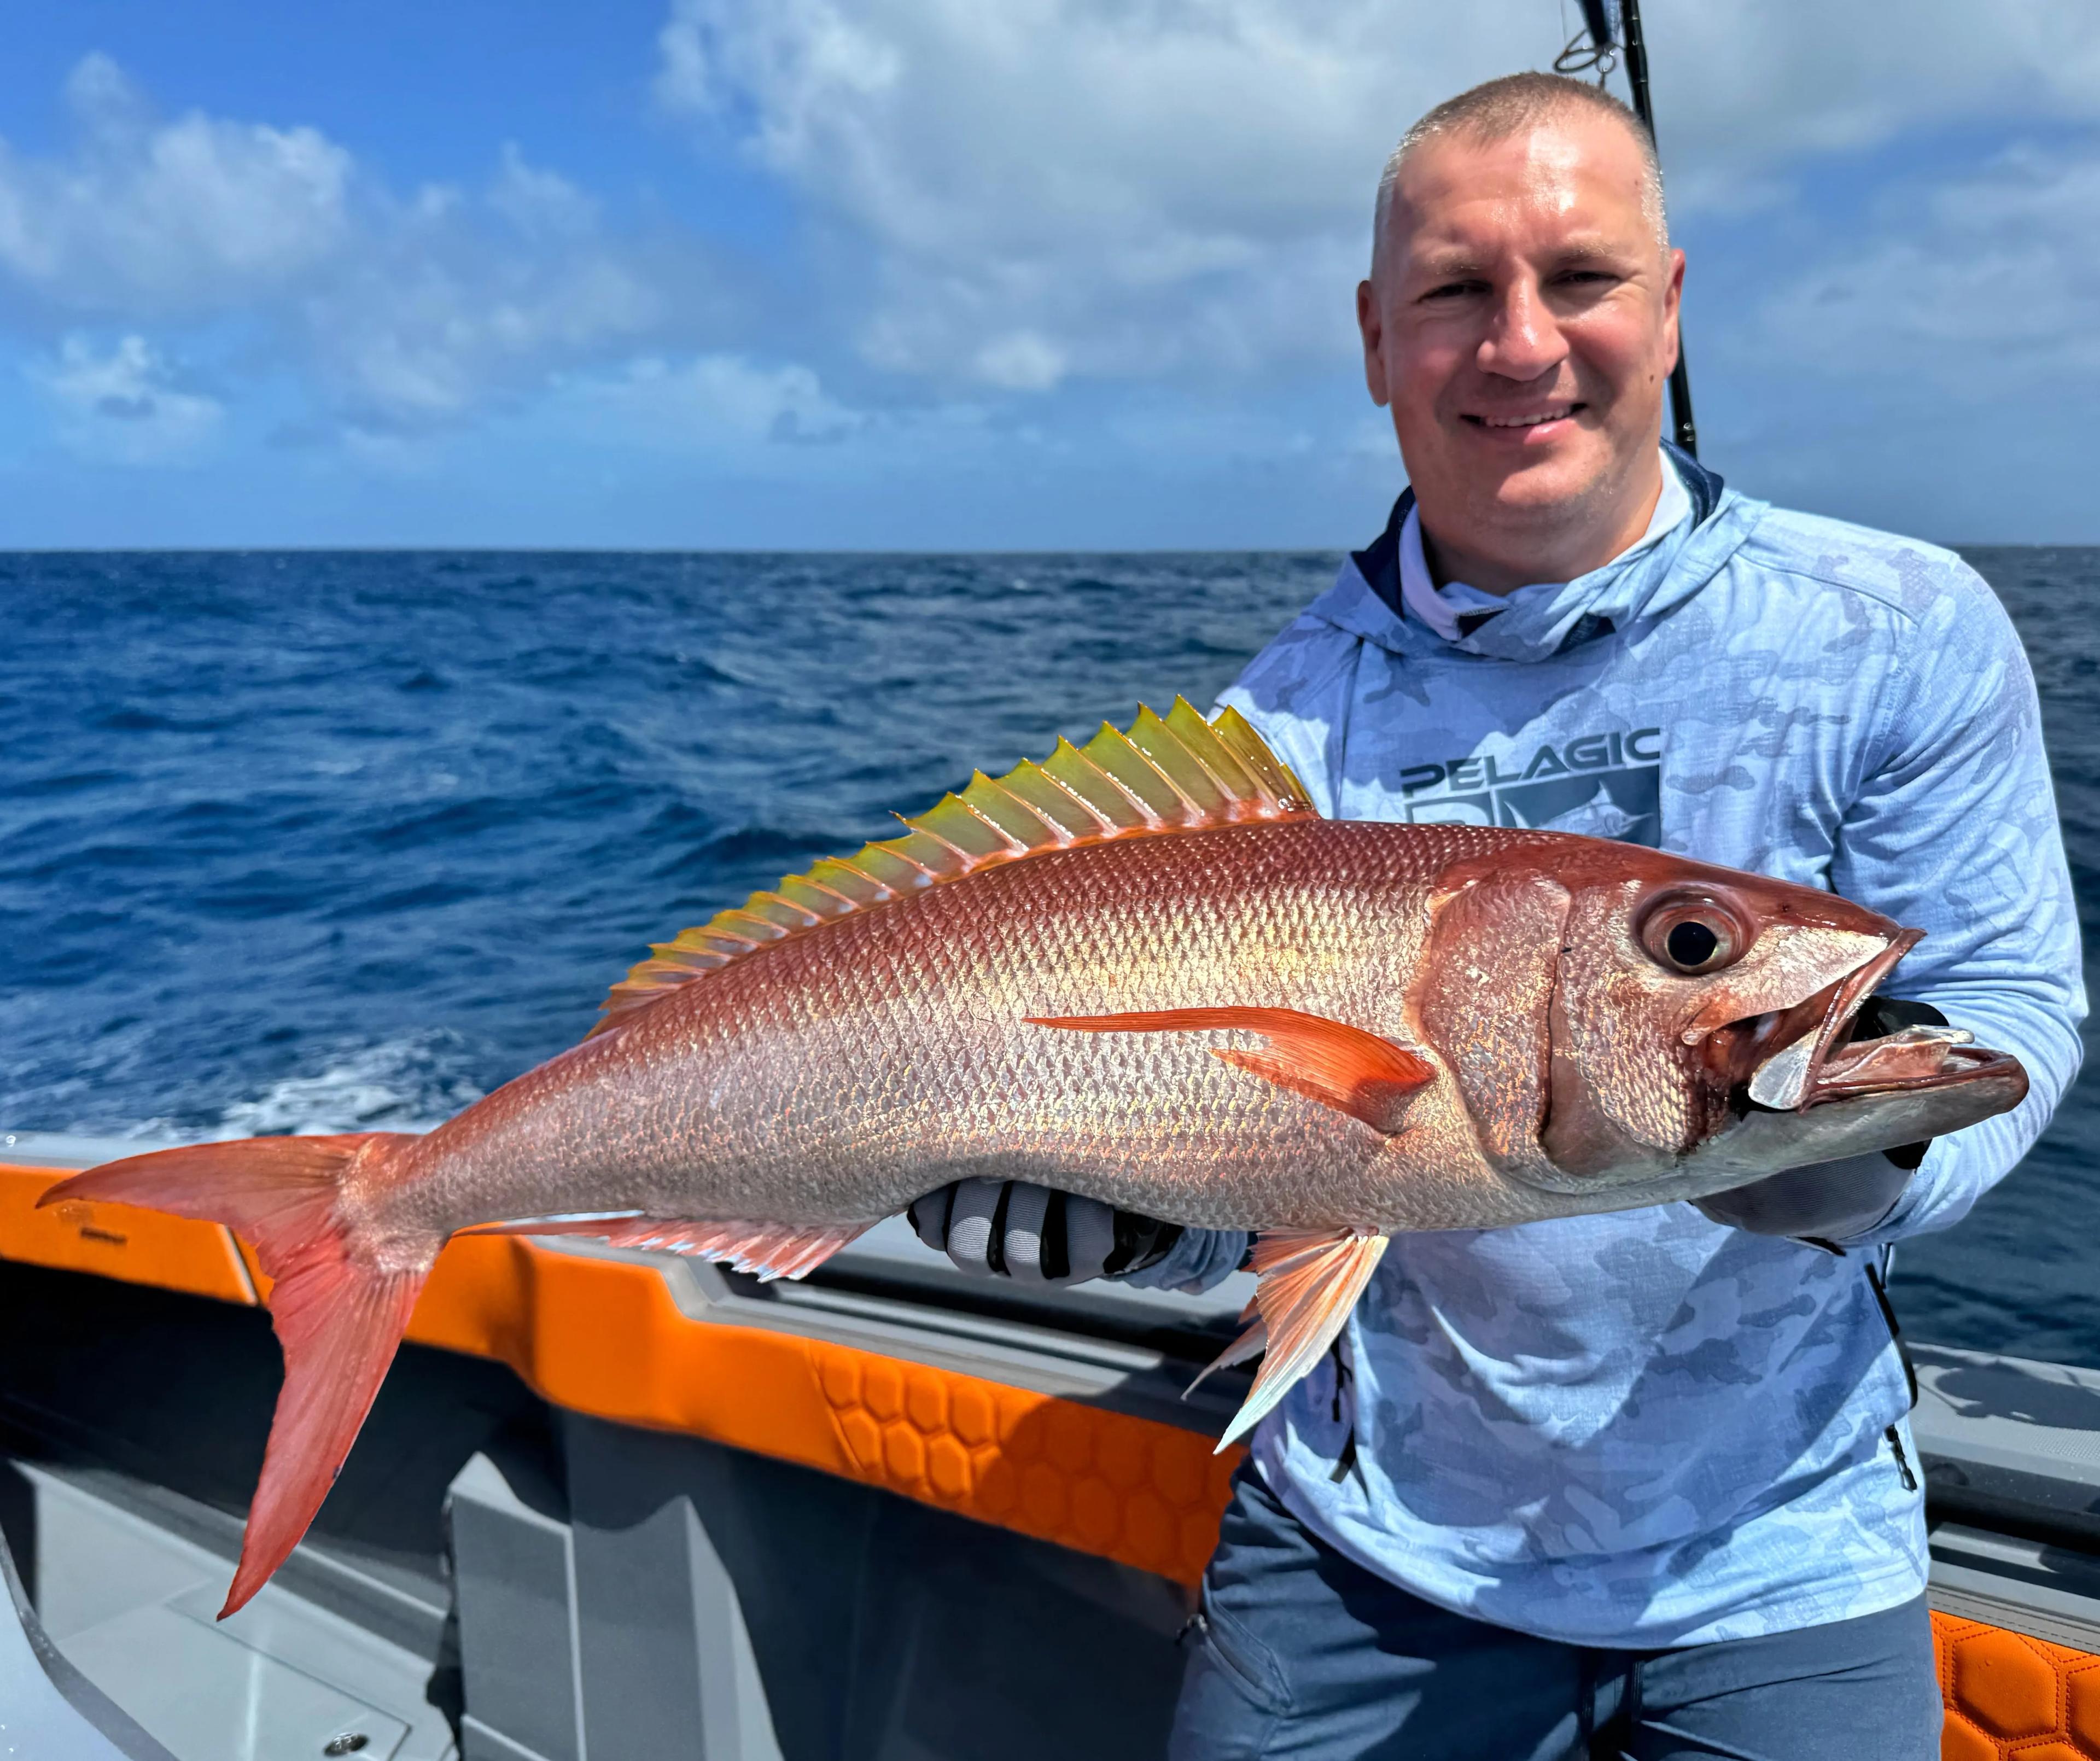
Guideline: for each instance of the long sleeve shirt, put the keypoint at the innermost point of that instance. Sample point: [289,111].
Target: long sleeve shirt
[1643,1429]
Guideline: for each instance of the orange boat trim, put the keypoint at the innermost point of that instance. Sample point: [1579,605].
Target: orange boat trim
[2009,1696]
[607,1337]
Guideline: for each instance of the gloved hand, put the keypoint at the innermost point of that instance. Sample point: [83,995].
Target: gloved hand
[1036,1235]
[1825,1201]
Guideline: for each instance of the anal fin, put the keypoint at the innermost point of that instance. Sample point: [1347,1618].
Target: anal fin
[1251,1343]
[771,1249]
[1309,1283]
[1344,1067]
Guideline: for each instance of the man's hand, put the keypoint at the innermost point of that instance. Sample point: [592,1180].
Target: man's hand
[1036,1235]
[1826,1202]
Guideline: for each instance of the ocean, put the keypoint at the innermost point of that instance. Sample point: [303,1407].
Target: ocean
[306,841]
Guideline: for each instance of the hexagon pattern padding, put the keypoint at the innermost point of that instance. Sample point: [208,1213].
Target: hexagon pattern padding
[1147,1494]
[2012,1698]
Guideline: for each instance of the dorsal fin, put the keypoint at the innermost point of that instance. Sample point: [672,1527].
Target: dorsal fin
[1182,773]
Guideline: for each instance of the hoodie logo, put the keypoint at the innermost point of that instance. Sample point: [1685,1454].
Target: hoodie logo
[1603,785]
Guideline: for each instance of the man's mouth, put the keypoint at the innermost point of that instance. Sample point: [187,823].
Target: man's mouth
[1533,419]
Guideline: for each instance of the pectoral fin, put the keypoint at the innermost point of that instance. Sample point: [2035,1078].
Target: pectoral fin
[1309,1283]
[1330,1061]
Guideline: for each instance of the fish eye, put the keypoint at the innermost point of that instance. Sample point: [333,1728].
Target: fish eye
[1693,935]
[1691,943]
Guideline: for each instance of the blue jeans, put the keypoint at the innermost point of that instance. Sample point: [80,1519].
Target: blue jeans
[1300,1651]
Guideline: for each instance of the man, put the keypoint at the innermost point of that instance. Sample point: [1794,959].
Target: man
[1638,1483]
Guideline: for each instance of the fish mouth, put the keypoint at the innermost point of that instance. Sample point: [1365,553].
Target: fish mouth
[1794,1059]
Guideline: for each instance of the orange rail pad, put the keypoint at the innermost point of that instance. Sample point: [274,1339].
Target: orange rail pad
[2009,1696]
[606,1338]
[140,1246]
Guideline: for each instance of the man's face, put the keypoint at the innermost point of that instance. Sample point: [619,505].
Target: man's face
[1522,324]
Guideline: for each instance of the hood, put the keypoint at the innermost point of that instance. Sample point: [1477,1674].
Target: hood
[1543,621]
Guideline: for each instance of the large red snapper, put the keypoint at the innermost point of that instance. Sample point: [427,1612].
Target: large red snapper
[1148,973]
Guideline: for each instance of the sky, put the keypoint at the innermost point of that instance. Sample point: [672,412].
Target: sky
[937,274]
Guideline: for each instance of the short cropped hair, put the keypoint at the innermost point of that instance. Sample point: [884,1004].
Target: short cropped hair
[1501,107]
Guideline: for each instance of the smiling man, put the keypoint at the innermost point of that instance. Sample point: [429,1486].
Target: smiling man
[1641,1484]
[1520,323]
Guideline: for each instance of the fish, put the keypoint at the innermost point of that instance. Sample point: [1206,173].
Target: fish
[1148,972]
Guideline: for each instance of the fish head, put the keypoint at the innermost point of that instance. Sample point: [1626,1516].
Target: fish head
[1701,1025]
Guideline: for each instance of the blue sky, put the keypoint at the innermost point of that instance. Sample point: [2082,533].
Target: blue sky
[906,274]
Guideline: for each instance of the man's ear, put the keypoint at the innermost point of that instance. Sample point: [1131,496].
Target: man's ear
[1672,304]
[1371,322]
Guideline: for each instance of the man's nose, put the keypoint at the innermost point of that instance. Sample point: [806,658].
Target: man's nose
[1523,339]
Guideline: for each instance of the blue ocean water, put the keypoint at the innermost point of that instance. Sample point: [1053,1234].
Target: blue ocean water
[311,841]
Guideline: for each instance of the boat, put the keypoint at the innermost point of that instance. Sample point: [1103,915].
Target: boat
[614,1504]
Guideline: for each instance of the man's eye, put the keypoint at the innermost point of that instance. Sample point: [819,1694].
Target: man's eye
[1453,290]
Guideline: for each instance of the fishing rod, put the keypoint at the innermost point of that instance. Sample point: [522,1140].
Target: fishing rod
[1607,47]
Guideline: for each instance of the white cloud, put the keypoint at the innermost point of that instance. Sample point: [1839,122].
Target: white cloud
[539,203]
[1746,91]
[426,326]
[176,217]
[713,401]
[1004,200]
[1020,360]
[408,313]
[123,407]
[1129,187]
[1983,289]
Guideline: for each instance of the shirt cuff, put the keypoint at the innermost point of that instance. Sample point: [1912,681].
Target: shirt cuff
[1202,1259]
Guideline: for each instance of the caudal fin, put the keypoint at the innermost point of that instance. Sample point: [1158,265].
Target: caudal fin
[339,1316]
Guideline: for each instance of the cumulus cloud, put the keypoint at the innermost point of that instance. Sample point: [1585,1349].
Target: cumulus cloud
[177,217]
[1749,93]
[433,318]
[1982,285]
[1046,189]
[126,407]
[394,312]
[1003,202]
[712,401]
[539,203]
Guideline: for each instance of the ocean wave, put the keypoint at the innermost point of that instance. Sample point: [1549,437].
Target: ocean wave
[409,1085]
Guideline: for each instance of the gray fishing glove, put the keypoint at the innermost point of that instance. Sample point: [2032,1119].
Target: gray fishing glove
[1825,1202]
[1036,1235]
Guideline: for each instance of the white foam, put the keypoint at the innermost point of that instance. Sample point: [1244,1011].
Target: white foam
[409,1084]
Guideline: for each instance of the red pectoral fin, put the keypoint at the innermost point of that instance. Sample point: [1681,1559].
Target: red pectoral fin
[1326,1061]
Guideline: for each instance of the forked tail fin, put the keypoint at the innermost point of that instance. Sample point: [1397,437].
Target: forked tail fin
[339,1316]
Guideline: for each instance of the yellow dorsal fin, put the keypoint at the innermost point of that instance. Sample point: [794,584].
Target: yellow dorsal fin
[1182,773]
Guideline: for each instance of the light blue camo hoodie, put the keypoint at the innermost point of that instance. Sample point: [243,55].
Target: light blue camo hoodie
[1644,1429]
